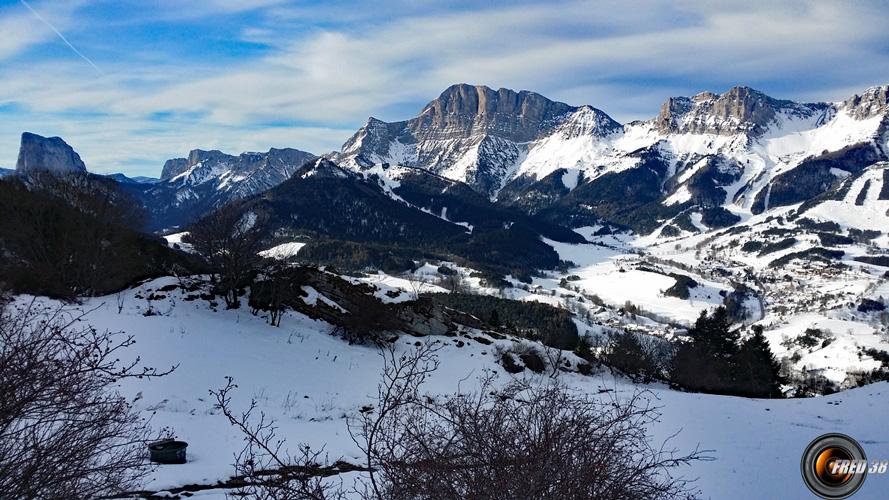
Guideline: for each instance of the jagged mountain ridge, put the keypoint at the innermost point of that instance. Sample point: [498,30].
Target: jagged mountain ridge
[472,134]
[190,187]
[714,158]
[721,155]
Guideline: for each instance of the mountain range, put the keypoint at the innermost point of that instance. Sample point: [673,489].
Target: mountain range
[703,162]
[715,156]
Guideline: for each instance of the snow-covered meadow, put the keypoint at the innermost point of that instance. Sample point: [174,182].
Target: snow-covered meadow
[310,382]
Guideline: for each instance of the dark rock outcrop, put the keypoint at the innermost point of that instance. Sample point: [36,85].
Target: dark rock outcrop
[174,167]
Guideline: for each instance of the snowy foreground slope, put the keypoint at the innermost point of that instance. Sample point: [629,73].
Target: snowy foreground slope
[311,381]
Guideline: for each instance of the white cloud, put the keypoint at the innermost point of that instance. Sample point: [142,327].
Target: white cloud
[20,29]
[18,32]
[625,60]
[334,76]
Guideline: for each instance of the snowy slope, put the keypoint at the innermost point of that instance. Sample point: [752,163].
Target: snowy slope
[864,206]
[310,381]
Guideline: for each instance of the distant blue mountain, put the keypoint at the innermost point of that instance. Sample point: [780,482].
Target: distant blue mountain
[119,177]
[6,171]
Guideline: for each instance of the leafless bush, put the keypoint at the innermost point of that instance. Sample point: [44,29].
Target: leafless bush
[229,240]
[416,283]
[274,289]
[555,358]
[518,441]
[369,321]
[453,281]
[64,432]
[521,441]
[267,470]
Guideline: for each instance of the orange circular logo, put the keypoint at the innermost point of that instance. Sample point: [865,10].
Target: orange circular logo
[826,464]
[831,466]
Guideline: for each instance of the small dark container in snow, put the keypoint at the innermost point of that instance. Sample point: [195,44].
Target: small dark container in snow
[168,451]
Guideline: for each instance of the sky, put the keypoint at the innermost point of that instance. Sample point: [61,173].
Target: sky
[130,83]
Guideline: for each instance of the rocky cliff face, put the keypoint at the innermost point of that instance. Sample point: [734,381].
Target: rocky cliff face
[465,110]
[473,134]
[713,156]
[740,110]
[174,167]
[872,102]
[38,153]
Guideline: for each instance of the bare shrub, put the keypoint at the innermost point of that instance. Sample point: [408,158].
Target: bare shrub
[64,432]
[275,288]
[230,241]
[452,280]
[368,321]
[267,470]
[416,283]
[519,441]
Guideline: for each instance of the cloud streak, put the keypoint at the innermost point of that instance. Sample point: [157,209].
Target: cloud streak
[61,36]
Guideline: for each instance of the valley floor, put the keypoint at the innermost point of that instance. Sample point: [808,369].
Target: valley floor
[310,382]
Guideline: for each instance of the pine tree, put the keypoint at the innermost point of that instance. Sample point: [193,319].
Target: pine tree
[584,350]
[707,362]
[757,371]
[713,333]
[626,353]
[494,320]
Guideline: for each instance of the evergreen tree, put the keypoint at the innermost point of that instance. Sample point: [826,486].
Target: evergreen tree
[584,349]
[716,361]
[494,319]
[626,353]
[757,371]
[713,333]
[706,363]
[694,368]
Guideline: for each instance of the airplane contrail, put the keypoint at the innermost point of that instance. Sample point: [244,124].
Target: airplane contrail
[59,33]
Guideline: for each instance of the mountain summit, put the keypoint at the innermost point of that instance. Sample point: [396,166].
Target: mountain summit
[739,110]
[38,153]
[207,179]
[720,157]
[472,133]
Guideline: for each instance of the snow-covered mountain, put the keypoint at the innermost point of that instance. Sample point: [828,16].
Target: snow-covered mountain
[473,134]
[139,179]
[776,210]
[241,175]
[189,187]
[740,152]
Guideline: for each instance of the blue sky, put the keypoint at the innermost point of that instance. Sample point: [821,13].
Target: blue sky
[247,75]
